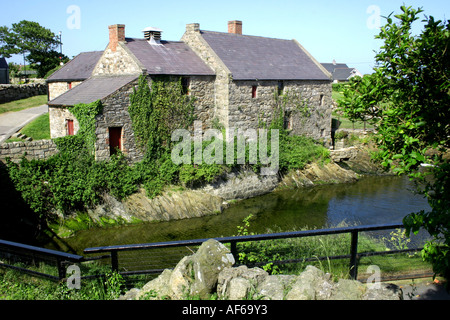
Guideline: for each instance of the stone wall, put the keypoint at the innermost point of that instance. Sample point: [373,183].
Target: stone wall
[202,89]
[193,38]
[58,121]
[118,62]
[55,89]
[308,106]
[12,92]
[235,107]
[41,149]
[115,114]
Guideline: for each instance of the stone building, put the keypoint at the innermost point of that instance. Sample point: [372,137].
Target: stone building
[112,81]
[251,70]
[233,77]
[72,73]
[341,72]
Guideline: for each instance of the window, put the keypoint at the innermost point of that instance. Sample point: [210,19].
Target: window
[69,127]
[185,84]
[115,140]
[321,100]
[288,121]
[254,89]
[280,88]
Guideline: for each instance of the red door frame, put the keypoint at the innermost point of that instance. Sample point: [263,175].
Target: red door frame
[115,139]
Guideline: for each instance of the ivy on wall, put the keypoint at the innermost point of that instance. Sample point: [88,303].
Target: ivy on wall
[85,114]
[155,113]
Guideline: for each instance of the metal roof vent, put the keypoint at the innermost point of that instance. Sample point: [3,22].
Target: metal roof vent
[153,35]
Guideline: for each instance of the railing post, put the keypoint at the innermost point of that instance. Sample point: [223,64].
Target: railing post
[233,249]
[353,255]
[61,269]
[114,261]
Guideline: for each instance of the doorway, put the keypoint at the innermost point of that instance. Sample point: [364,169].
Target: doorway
[115,140]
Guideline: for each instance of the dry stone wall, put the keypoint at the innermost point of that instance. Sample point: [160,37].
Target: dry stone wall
[12,92]
[41,149]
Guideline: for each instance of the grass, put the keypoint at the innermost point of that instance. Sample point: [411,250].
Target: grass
[23,104]
[38,129]
[344,122]
[19,286]
[328,246]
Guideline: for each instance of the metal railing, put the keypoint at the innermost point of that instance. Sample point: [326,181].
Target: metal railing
[21,254]
[30,255]
[354,255]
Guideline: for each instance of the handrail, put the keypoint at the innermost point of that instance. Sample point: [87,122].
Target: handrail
[354,231]
[44,251]
[256,237]
[60,258]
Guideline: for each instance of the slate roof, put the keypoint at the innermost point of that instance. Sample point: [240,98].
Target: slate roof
[92,89]
[252,57]
[169,58]
[77,69]
[331,66]
[339,71]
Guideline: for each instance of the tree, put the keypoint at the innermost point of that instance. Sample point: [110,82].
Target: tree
[407,99]
[31,39]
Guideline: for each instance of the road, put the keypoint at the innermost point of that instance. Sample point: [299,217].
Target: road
[11,122]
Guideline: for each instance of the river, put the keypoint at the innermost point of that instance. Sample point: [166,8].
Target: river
[371,200]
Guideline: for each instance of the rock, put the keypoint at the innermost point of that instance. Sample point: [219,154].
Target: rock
[305,286]
[238,283]
[157,289]
[172,205]
[276,286]
[210,271]
[211,258]
[383,291]
[348,290]
[194,275]
[131,295]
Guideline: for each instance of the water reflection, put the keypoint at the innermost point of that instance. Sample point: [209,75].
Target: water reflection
[371,200]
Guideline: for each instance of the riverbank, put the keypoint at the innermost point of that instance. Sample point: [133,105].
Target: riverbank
[180,203]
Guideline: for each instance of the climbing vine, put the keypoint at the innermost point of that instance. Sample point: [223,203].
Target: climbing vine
[85,114]
[157,112]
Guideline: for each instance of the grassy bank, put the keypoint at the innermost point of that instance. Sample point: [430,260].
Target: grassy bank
[23,104]
[251,253]
[38,129]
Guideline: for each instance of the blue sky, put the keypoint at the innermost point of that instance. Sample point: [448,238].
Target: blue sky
[340,30]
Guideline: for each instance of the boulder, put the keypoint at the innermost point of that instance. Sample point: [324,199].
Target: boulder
[239,283]
[194,275]
[209,271]
[311,284]
[275,287]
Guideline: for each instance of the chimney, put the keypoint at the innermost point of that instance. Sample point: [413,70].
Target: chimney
[235,27]
[116,34]
[152,35]
[193,27]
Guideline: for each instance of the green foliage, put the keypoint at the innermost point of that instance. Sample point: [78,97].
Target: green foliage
[156,113]
[407,99]
[37,41]
[16,286]
[85,114]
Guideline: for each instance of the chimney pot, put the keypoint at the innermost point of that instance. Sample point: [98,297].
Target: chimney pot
[235,27]
[116,34]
